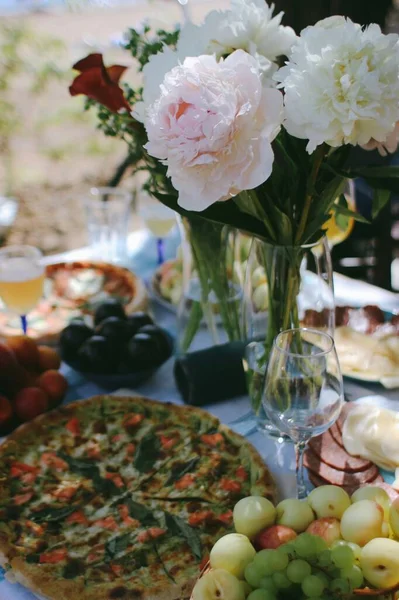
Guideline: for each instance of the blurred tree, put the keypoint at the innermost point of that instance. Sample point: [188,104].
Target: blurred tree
[24,54]
[299,13]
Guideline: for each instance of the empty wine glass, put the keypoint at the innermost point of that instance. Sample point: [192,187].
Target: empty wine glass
[303,391]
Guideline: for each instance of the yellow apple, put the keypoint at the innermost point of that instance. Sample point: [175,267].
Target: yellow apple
[232,552]
[295,514]
[329,501]
[372,492]
[379,562]
[394,517]
[362,522]
[218,585]
[252,514]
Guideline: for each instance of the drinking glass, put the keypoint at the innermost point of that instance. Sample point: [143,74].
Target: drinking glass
[159,220]
[303,391]
[21,279]
[107,214]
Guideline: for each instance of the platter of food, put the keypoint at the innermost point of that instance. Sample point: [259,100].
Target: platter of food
[367,342]
[342,541]
[331,545]
[72,289]
[120,497]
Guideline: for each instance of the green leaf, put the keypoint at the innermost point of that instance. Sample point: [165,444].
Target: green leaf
[380,199]
[91,471]
[349,213]
[116,545]
[73,568]
[181,468]
[147,453]
[176,526]
[140,512]
[52,515]
[388,172]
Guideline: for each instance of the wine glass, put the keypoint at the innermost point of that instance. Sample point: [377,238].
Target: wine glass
[303,391]
[159,220]
[21,279]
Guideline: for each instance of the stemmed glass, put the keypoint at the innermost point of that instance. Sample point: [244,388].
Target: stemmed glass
[303,391]
[21,279]
[159,220]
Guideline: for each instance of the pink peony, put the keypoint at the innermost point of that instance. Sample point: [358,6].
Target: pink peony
[213,125]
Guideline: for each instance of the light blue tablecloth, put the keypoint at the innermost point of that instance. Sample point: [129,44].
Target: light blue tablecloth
[278,455]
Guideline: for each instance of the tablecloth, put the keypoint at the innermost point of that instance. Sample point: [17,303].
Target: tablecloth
[278,455]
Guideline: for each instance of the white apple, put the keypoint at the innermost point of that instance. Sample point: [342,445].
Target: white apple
[372,492]
[232,552]
[329,501]
[295,514]
[252,514]
[379,562]
[394,517]
[218,585]
[362,522]
[327,528]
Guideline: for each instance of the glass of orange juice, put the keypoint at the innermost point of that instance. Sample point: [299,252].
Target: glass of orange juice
[21,279]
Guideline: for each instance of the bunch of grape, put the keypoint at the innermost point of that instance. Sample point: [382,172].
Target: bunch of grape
[305,568]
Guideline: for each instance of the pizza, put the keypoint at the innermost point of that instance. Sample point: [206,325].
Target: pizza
[72,289]
[120,498]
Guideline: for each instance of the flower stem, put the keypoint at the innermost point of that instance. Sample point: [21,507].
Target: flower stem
[318,159]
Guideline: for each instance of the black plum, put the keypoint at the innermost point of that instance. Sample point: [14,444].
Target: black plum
[110,308]
[72,337]
[161,338]
[143,352]
[115,329]
[138,320]
[98,355]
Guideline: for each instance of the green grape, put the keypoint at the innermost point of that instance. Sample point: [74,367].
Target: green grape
[263,562]
[305,545]
[324,558]
[356,551]
[323,577]
[312,586]
[354,575]
[281,580]
[320,544]
[252,575]
[288,548]
[247,589]
[338,543]
[267,583]
[261,595]
[342,586]
[342,556]
[297,570]
[279,561]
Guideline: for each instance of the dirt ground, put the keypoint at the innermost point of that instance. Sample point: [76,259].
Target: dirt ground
[57,153]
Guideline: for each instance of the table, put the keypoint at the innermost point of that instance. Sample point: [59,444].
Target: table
[278,455]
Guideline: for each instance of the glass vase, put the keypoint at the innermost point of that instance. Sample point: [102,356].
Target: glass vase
[285,287]
[210,304]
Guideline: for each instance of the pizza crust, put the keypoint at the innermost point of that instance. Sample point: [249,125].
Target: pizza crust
[40,579]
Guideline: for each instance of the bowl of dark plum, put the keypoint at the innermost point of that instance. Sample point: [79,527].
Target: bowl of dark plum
[114,349]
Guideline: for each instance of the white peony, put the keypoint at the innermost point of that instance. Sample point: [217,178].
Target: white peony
[389,146]
[248,25]
[212,125]
[341,84]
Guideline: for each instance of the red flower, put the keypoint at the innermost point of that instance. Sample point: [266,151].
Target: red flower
[99,83]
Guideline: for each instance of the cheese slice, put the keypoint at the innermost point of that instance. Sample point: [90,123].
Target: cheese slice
[373,434]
